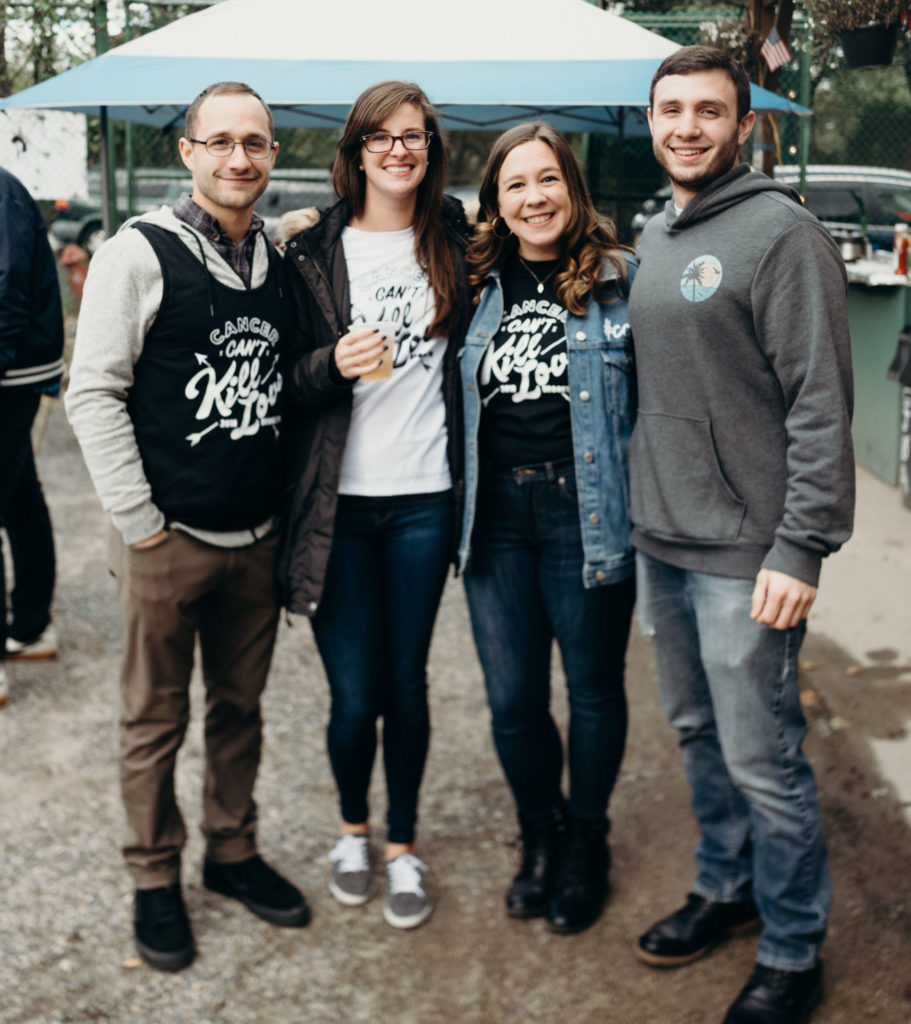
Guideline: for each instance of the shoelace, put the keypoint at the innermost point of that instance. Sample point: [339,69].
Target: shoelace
[350,853]
[405,874]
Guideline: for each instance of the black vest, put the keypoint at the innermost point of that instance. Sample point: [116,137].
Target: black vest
[205,397]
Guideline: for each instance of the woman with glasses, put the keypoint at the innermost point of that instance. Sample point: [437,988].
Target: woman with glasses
[549,404]
[377,463]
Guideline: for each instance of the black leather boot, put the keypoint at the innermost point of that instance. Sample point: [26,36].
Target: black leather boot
[529,894]
[581,886]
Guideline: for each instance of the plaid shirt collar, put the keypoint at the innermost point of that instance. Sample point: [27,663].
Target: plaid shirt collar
[240,256]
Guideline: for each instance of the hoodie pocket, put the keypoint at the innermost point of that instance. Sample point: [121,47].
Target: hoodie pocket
[677,487]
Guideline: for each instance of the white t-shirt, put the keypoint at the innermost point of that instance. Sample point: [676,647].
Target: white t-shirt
[397,437]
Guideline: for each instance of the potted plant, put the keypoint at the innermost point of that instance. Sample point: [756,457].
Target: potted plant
[866,29]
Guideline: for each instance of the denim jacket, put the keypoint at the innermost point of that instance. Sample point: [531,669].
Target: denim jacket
[602,409]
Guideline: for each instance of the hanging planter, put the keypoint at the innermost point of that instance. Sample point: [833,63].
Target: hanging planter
[866,29]
[871,46]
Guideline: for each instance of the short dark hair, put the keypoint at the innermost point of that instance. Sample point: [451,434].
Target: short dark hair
[221,89]
[689,59]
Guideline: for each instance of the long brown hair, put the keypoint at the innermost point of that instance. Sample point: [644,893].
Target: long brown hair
[370,109]
[588,238]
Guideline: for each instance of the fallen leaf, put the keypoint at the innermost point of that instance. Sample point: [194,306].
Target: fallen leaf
[854,670]
[132,962]
[809,666]
[809,699]
[840,723]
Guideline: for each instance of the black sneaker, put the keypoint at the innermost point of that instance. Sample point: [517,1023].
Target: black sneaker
[777,997]
[260,888]
[162,928]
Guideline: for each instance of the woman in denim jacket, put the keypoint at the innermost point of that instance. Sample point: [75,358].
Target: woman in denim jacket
[549,399]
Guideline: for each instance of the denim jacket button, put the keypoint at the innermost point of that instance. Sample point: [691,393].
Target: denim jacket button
[589,457]
[594,518]
[584,396]
[580,335]
[600,575]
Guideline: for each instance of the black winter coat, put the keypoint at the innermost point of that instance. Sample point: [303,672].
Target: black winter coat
[31,318]
[315,423]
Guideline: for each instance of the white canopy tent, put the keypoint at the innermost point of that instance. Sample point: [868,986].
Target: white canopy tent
[484,63]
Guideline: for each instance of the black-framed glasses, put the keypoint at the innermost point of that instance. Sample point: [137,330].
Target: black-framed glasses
[382,142]
[256,148]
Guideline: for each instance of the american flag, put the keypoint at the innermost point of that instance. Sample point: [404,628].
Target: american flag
[774,50]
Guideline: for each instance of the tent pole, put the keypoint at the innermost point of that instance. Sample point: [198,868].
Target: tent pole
[108,194]
[620,183]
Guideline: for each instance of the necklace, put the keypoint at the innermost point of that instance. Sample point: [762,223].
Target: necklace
[541,280]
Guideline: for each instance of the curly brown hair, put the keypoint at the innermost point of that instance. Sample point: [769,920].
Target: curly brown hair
[589,238]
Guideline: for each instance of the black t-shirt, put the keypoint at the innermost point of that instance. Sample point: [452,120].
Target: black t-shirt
[523,379]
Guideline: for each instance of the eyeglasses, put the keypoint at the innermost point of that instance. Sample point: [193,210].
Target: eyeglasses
[256,148]
[382,142]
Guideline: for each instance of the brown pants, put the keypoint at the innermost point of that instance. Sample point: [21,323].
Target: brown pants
[170,594]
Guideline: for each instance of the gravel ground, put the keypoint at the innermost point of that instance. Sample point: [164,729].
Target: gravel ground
[66,952]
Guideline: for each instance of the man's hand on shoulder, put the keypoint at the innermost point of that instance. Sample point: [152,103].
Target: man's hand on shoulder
[779,600]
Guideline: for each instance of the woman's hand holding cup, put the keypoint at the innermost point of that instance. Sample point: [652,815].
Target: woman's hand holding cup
[365,352]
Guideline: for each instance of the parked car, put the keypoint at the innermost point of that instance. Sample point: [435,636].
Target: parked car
[840,195]
[76,221]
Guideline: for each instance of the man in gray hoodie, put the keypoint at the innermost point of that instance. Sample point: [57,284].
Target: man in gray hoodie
[174,396]
[742,481]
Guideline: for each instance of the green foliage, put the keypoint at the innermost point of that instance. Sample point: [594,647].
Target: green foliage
[833,16]
[863,117]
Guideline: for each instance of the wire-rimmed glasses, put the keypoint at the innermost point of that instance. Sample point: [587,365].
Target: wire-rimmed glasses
[256,147]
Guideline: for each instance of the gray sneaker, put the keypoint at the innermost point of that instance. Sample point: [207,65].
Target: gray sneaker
[4,685]
[351,881]
[407,904]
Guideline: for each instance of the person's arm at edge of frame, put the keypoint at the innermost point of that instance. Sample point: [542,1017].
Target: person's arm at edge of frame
[800,294]
[123,292]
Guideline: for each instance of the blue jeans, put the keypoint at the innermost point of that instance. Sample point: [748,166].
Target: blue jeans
[729,688]
[524,588]
[384,581]
[24,516]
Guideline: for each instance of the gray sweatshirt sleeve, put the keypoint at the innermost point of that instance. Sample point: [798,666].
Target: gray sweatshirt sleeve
[122,295]
[800,304]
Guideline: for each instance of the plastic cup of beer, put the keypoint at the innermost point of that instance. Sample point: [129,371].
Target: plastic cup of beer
[384,370]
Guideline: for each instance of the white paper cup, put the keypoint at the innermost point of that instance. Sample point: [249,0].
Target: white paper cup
[384,370]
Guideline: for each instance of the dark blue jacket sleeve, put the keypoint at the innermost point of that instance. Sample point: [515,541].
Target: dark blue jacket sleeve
[18,237]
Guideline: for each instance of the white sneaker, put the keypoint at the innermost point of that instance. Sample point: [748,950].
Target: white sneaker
[4,686]
[407,904]
[351,881]
[45,646]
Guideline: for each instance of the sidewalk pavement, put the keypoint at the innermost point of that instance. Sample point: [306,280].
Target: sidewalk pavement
[65,909]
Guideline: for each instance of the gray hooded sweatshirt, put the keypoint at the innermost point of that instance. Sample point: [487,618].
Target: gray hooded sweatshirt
[741,457]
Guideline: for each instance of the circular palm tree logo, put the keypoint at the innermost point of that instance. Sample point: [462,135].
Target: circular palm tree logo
[701,279]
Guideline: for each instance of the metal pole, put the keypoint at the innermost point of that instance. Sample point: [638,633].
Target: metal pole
[108,182]
[128,156]
[108,213]
[806,99]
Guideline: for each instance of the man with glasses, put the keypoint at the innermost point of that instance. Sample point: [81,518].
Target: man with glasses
[174,397]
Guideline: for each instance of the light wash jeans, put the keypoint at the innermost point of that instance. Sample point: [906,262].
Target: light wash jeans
[729,688]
